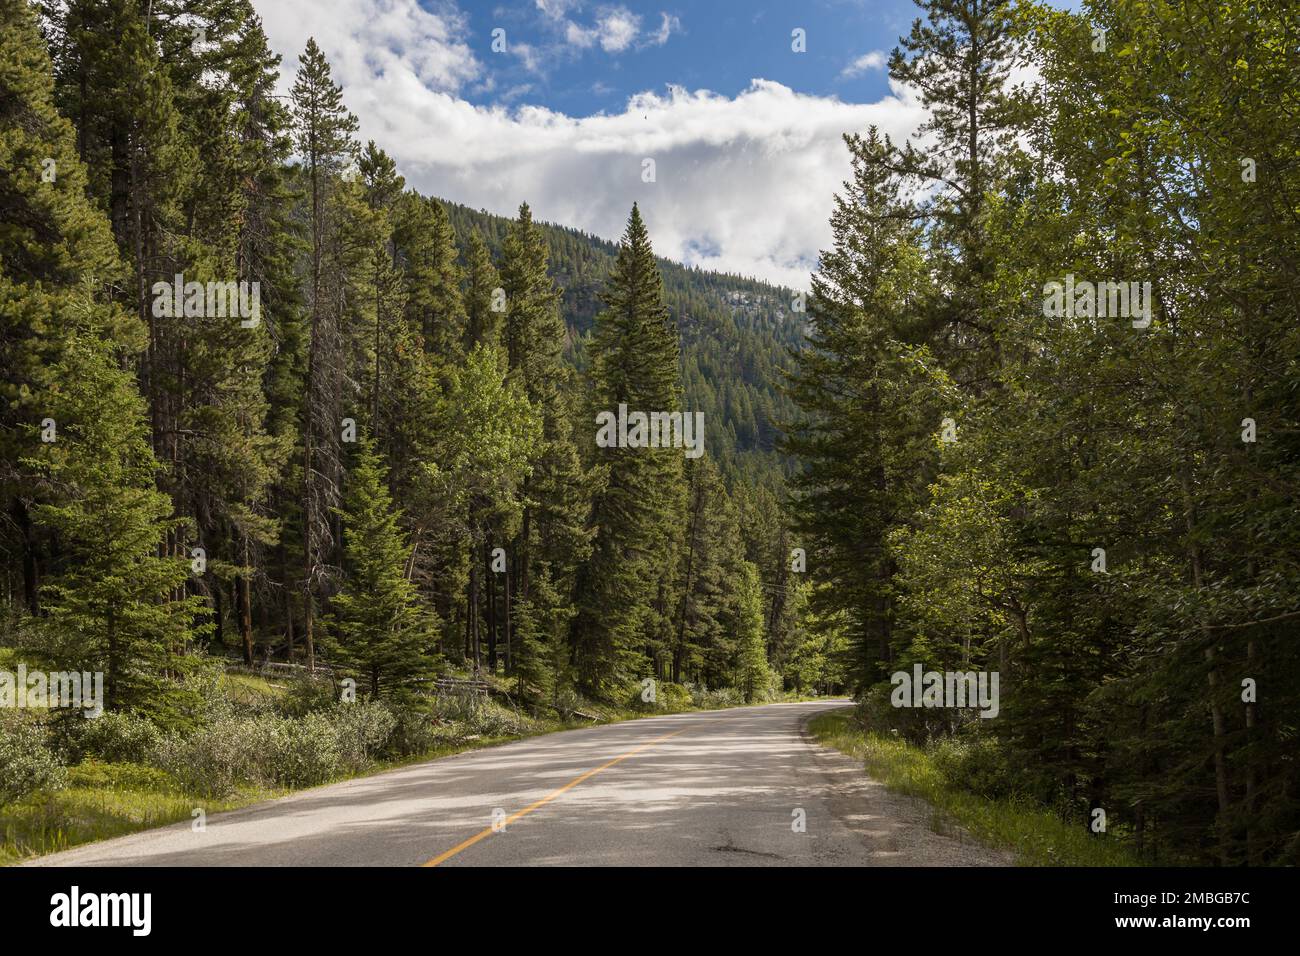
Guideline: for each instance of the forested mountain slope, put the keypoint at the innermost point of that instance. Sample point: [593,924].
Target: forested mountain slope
[735,335]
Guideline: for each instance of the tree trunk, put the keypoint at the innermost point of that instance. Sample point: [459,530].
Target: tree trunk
[490,587]
[31,576]
[510,660]
[244,599]
[1217,721]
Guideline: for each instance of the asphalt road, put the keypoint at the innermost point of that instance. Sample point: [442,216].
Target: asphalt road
[719,788]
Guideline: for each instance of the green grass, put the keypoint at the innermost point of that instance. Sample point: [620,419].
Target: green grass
[1037,836]
[246,688]
[102,801]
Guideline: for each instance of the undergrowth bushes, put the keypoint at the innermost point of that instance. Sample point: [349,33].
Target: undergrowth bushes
[27,762]
[278,751]
[282,735]
[966,754]
[114,737]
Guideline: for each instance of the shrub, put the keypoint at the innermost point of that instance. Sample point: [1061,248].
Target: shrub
[206,696]
[273,750]
[417,732]
[490,719]
[567,702]
[456,707]
[305,695]
[876,712]
[27,763]
[213,760]
[673,697]
[628,697]
[707,699]
[114,737]
[975,763]
[298,752]
[362,730]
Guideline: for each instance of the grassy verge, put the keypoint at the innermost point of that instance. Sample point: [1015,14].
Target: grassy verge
[1037,836]
[103,800]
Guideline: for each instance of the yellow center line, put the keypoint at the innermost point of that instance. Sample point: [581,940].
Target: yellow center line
[443,857]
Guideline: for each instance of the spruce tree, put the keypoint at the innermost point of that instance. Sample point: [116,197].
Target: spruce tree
[324,135]
[109,603]
[533,334]
[379,628]
[58,261]
[637,509]
[868,408]
[482,316]
[432,278]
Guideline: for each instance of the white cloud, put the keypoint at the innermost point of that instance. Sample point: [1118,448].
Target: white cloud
[874,60]
[617,28]
[528,56]
[668,25]
[398,41]
[555,9]
[744,183]
[580,37]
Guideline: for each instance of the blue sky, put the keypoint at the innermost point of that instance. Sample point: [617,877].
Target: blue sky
[744,134]
[582,58]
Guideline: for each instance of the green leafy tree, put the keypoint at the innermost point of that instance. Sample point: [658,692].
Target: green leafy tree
[752,672]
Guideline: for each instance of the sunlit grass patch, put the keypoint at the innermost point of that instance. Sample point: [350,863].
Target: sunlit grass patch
[103,801]
[1036,835]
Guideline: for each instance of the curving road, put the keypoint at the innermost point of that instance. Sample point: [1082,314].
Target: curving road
[716,788]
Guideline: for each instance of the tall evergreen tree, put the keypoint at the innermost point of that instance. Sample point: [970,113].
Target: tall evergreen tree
[108,604]
[378,628]
[637,508]
[483,305]
[324,129]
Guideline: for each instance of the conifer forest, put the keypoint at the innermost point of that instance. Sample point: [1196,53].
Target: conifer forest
[312,465]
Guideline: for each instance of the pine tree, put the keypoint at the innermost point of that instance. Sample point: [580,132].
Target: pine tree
[432,278]
[108,605]
[561,543]
[709,563]
[869,403]
[960,57]
[75,430]
[486,433]
[637,509]
[378,627]
[482,325]
[59,261]
[230,450]
[268,247]
[324,130]
[533,334]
